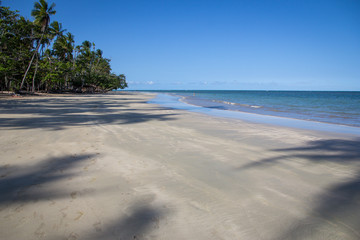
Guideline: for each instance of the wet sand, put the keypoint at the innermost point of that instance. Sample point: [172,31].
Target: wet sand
[117,167]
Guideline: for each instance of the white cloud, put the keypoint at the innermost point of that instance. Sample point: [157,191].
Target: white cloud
[134,82]
[141,83]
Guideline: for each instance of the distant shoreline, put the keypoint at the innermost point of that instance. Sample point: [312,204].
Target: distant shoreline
[11,94]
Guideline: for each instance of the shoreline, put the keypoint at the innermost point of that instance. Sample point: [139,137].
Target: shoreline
[334,107]
[114,166]
[256,117]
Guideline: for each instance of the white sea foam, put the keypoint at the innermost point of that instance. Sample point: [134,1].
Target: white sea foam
[236,104]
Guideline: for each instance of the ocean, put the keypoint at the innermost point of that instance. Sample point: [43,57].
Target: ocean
[342,108]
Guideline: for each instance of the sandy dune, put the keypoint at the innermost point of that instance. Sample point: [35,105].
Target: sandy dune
[116,167]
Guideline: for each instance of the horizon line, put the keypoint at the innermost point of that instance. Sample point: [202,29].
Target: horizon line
[237,90]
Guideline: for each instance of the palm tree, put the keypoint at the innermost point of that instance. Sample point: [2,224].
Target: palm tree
[63,49]
[47,36]
[56,30]
[41,13]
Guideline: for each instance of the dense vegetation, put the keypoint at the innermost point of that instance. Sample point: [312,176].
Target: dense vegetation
[42,56]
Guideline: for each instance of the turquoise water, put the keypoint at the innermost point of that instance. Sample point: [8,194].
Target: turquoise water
[329,107]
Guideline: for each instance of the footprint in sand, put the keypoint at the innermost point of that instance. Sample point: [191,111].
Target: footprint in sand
[90,164]
[40,233]
[97,226]
[73,236]
[74,195]
[79,215]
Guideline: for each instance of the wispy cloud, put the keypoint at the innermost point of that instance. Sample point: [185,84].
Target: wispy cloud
[141,82]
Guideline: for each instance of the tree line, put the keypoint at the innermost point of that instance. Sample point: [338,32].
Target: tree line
[42,56]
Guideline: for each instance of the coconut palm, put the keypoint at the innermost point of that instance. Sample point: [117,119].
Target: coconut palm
[64,47]
[41,13]
[56,29]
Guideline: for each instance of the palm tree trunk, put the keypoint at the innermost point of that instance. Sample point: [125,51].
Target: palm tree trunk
[32,59]
[6,83]
[36,68]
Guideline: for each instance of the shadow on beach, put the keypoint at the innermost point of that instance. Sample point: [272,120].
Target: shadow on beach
[138,224]
[31,183]
[339,207]
[22,185]
[57,113]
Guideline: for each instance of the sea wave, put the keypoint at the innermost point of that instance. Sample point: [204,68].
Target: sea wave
[236,104]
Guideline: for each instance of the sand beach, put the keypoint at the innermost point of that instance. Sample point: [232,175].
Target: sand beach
[114,166]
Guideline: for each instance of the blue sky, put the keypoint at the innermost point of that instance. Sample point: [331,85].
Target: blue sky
[223,44]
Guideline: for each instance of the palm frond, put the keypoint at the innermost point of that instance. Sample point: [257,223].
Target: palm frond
[37,6]
[44,4]
[35,12]
[51,8]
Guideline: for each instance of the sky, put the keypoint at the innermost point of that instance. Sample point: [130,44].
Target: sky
[220,44]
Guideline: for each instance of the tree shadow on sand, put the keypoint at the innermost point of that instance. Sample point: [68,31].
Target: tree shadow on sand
[338,210]
[32,183]
[29,184]
[60,112]
[139,223]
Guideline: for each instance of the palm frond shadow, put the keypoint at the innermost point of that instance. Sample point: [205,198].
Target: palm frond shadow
[339,207]
[60,112]
[142,220]
[31,183]
[139,223]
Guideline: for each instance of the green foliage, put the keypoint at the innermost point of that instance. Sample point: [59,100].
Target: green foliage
[59,65]
[16,47]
